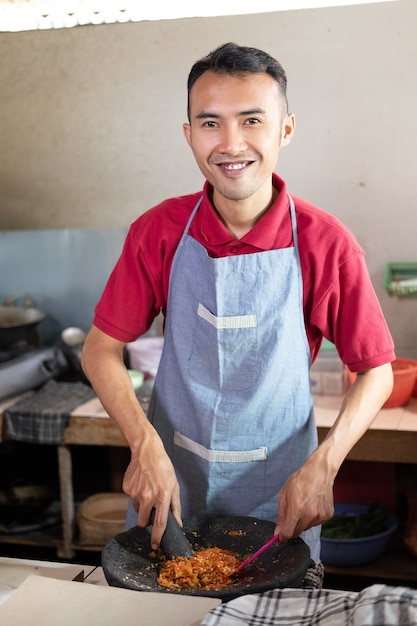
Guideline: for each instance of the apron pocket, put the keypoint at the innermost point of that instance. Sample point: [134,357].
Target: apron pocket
[225,350]
[226,478]
[220,456]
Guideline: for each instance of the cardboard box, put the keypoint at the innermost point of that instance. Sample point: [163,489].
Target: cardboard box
[328,375]
[13,572]
[329,383]
[49,602]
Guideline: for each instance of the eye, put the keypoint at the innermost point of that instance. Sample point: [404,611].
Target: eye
[252,120]
[209,124]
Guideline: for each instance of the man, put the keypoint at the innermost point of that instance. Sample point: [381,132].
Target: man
[250,280]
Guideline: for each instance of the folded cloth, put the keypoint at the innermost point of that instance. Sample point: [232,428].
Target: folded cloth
[43,416]
[377,605]
[314,576]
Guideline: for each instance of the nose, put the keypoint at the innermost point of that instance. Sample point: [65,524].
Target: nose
[231,139]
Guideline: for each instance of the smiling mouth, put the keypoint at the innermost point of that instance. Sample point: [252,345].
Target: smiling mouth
[234,167]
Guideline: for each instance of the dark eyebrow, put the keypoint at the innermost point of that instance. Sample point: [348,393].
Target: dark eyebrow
[205,114]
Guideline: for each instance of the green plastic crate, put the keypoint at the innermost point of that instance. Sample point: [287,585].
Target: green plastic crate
[400,279]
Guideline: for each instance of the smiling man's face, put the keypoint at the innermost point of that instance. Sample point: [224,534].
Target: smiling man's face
[237,127]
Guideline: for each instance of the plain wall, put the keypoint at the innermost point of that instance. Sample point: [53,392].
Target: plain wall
[91,124]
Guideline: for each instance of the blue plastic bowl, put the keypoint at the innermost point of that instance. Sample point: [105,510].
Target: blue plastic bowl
[352,552]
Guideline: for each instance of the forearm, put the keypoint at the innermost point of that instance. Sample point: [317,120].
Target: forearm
[105,369]
[306,499]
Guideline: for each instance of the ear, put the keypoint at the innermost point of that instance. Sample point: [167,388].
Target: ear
[186,128]
[288,129]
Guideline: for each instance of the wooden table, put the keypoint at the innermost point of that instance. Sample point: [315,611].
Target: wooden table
[89,425]
[391,438]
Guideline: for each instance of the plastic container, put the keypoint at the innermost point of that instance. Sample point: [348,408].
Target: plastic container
[328,374]
[137,377]
[353,552]
[100,517]
[405,379]
[400,279]
[145,354]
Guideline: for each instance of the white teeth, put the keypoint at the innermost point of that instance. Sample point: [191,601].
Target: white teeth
[234,166]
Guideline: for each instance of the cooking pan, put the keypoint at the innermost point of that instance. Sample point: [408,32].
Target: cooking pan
[17,322]
[128,560]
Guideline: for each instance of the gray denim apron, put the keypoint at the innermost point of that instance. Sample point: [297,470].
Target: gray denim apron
[232,400]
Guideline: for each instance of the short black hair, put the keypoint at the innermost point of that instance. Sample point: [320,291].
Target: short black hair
[236,60]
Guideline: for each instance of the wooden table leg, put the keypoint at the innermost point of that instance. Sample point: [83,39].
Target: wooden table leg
[67,501]
[408,487]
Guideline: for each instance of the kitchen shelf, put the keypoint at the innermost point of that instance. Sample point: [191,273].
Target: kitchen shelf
[49,537]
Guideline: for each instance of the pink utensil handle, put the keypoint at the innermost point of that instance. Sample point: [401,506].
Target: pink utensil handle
[257,553]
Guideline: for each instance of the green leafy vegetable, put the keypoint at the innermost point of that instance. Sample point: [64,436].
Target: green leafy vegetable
[348,526]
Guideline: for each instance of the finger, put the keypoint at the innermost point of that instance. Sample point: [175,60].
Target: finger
[280,527]
[282,538]
[159,525]
[144,515]
[287,526]
[176,506]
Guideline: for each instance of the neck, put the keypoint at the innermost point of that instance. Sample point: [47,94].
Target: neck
[239,217]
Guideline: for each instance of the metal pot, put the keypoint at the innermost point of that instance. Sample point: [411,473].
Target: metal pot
[129,561]
[18,322]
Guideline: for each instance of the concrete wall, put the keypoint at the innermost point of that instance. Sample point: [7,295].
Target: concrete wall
[91,124]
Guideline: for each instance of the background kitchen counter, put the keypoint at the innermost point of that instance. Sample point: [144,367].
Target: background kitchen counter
[392,437]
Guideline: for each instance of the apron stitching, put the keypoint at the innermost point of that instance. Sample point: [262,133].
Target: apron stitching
[220,456]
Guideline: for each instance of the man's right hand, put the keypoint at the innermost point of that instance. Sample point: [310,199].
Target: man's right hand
[151,483]
[150,478]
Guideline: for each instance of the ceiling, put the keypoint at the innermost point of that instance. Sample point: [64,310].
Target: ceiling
[20,15]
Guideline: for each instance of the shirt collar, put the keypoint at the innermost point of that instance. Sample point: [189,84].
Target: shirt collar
[263,234]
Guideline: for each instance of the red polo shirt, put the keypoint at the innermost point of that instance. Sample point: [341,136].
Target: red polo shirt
[338,297]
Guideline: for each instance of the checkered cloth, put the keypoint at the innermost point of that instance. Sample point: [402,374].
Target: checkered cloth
[43,416]
[378,605]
